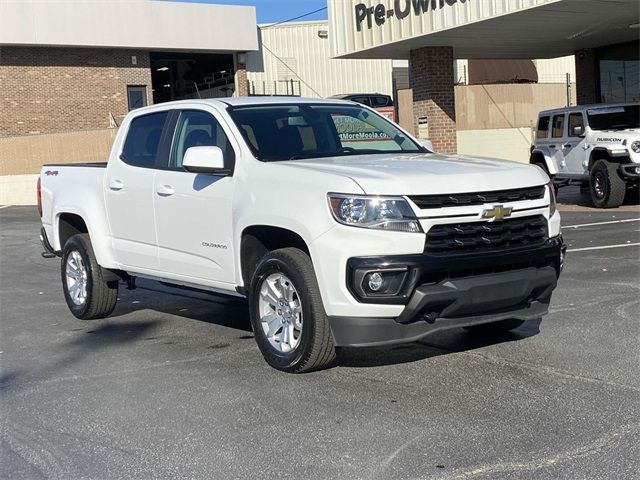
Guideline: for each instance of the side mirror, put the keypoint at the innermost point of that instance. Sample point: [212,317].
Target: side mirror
[204,160]
[423,142]
[577,131]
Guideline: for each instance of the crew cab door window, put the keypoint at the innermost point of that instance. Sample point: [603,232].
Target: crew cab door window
[199,129]
[142,144]
[557,130]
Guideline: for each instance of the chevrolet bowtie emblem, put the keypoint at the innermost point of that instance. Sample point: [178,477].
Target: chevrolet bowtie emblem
[497,212]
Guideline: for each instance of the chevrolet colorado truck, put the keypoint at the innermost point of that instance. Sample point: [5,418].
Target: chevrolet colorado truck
[596,146]
[339,228]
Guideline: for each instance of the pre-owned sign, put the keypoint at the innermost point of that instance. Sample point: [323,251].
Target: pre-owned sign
[401,9]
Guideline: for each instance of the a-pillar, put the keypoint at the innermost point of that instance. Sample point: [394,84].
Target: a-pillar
[431,77]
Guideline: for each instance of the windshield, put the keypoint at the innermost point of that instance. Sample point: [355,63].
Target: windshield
[614,118]
[292,132]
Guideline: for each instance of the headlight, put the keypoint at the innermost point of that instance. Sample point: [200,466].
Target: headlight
[552,199]
[635,146]
[382,213]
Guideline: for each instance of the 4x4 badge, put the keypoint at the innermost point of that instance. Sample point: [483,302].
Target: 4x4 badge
[497,212]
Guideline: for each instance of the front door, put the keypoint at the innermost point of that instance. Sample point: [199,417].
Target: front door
[193,210]
[129,183]
[574,152]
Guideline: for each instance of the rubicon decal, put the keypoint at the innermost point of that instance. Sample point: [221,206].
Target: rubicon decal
[401,9]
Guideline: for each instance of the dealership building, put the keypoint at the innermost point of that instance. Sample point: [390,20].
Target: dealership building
[602,34]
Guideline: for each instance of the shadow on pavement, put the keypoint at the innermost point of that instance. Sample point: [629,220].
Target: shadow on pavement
[439,343]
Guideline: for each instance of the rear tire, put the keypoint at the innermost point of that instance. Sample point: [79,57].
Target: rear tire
[607,188]
[287,315]
[88,294]
[501,326]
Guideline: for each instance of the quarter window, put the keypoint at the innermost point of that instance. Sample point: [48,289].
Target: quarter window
[543,127]
[558,126]
[143,140]
[200,129]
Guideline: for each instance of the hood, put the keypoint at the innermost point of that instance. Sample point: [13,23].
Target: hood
[625,136]
[429,173]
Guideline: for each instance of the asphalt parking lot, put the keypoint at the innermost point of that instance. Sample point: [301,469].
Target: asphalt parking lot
[173,384]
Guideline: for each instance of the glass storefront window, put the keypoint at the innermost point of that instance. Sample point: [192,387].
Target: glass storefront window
[619,81]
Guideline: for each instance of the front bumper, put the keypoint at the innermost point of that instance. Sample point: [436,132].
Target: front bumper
[457,291]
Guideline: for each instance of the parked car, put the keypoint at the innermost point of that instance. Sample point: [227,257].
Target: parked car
[380,102]
[335,238]
[597,146]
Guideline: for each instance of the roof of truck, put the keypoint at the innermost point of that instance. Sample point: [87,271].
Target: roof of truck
[585,107]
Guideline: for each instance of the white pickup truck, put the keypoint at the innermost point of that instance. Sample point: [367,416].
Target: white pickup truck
[596,146]
[340,228]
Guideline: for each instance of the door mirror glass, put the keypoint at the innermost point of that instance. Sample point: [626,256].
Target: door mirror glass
[204,160]
[428,144]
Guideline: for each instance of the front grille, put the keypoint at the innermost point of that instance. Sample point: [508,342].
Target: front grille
[464,199]
[480,236]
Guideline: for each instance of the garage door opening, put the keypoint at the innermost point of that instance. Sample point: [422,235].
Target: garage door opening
[178,76]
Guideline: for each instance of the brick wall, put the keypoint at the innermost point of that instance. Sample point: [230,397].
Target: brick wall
[431,76]
[586,84]
[60,89]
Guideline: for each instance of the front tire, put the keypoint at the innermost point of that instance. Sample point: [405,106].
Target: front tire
[88,294]
[287,315]
[607,188]
[501,326]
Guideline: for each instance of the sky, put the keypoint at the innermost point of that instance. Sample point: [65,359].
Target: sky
[270,11]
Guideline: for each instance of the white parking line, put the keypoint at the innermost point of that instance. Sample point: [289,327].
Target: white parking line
[603,247]
[602,223]
[4,206]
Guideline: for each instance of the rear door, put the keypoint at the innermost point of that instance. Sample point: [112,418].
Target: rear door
[557,140]
[129,192]
[193,210]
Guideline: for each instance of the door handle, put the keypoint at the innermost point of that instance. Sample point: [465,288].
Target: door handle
[552,146]
[165,190]
[116,185]
[567,145]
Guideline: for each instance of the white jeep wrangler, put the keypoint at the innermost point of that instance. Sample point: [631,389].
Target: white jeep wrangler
[597,146]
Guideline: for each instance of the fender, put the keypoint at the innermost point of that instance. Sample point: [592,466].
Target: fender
[92,211]
[544,152]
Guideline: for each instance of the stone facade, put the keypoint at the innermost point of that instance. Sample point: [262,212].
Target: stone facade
[431,77]
[46,89]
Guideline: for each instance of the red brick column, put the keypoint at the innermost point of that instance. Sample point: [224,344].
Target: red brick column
[586,83]
[431,76]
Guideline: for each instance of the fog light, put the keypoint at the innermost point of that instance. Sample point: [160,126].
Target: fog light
[637,170]
[375,282]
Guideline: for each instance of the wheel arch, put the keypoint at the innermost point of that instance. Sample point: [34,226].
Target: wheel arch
[257,240]
[538,155]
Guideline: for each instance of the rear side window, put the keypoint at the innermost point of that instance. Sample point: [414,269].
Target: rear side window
[558,126]
[381,101]
[143,139]
[199,129]
[363,100]
[543,127]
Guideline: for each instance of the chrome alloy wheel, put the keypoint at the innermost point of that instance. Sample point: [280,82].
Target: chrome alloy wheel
[76,274]
[280,312]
